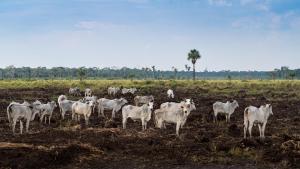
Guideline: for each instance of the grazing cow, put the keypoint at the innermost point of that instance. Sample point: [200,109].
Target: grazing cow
[85,109]
[224,108]
[173,113]
[114,105]
[257,115]
[142,113]
[65,105]
[88,93]
[170,94]
[47,110]
[113,90]
[17,112]
[74,91]
[143,99]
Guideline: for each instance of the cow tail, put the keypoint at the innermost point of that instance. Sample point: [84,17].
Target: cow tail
[246,117]
[9,111]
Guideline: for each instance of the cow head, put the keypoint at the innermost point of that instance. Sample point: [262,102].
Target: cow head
[269,108]
[235,104]
[150,106]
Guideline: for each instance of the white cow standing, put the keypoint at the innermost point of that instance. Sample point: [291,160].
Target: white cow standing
[225,108]
[142,113]
[143,99]
[47,110]
[113,90]
[106,104]
[74,91]
[171,112]
[88,93]
[170,94]
[85,109]
[17,112]
[257,115]
[65,105]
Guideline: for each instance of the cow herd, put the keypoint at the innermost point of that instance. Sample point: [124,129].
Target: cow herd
[142,110]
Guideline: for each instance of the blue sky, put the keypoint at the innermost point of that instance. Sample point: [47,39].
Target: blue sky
[229,34]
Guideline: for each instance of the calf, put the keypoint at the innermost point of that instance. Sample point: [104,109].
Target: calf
[47,110]
[170,94]
[225,108]
[114,105]
[257,115]
[88,93]
[142,113]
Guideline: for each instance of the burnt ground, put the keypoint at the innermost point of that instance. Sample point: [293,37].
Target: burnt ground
[104,144]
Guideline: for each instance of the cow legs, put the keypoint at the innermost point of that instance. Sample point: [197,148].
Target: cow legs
[27,125]
[21,126]
[215,117]
[113,114]
[177,128]
[124,122]
[260,132]
[250,129]
[246,123]
[86,120]
[50,118]
[263,130]
[63,114]
[14,125]
[229,117]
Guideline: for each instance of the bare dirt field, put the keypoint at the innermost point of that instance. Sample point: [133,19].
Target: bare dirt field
[202,144]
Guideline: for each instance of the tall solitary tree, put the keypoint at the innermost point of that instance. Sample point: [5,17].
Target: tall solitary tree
[193,56]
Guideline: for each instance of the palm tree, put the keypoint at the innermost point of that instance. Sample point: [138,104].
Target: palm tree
[175,72]
[193,56]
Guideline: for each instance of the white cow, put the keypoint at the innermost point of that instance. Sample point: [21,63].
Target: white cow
[130,90]
[257,115]
[170,94]
[17,112]
[65,105]
[170,104]
[113,90]
[88,93]
[74,91]
[85,109]
[173,113]
[115,105]
[225,108]
[92,98]
[143,99]
[142,113]
[60,99]
[47,110]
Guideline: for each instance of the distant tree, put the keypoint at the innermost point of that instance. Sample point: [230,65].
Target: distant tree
[285,72]
[273,74]
[193,56]
[187,68]
[154,70]
[292,74]
[175,72]
[81,73]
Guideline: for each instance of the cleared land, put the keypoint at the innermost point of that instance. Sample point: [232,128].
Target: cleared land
[202,144]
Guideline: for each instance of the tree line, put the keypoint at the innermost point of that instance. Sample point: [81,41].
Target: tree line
[12,72]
